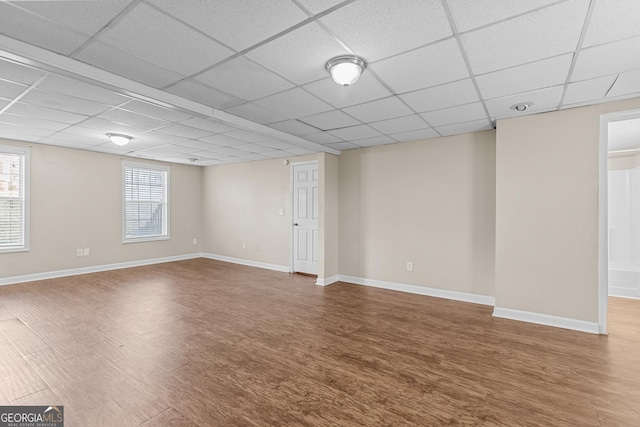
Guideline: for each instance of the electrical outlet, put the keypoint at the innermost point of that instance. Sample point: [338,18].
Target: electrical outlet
[409,266]
[195,241]
[244,245]
[281,211]
[86,252]
[79,252]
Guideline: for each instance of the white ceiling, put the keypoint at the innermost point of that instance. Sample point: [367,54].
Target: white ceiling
[180,77]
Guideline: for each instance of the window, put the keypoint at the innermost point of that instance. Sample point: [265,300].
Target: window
[14,201]
[146,202]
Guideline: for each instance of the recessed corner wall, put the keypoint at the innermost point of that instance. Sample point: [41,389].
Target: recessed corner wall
[428,202]
[76,202]
[547,205]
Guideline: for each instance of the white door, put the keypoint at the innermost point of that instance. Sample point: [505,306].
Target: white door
[305,218]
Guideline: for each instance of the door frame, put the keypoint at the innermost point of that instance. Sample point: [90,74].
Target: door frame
[603,213]
[291,208]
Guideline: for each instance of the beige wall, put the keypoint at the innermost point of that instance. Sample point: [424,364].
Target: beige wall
[76,202]
[241,204]
[328,167]
[547,211]
[430,202]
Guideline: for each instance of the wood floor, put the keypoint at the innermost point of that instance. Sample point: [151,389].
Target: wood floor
[205,343]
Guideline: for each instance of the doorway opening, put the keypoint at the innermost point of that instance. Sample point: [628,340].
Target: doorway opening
[619,216]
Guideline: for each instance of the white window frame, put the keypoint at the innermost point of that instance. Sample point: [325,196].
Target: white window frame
[21,151]
[149,166]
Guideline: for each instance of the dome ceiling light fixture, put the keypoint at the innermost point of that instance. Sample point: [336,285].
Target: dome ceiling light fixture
[119,138]
[346,70]
[522,106]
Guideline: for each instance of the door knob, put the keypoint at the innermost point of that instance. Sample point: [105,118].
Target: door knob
[295,224]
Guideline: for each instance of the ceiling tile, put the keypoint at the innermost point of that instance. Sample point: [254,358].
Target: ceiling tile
[37,31]
[227,151]
[626,84]
[126,65]
[199,145]
[294,127]
[613,20]
[607,59]
[45,113]
[317,6]
[277,145]
[275,154]
[446,95]
[23,133]
[63,102]
[204,94]
[401,124]
[291,57]
[467,127]
[251,111]
[381,109]
[222,140]
[132,119]
[18,73]
[106,126]
[109,148]
[239,24]
[89,133]
[588,90]
[355,132]
[64,143]
[425,67]
[78,89]
[211,125]
[415,135]
[376,140]
[330,120]
[80,140]
[547,32]
[367,89]
[244,79]
[10,90]
[524,78]
[253,157]
[155,138]
[542,100]
[474,14]
[156,111]
[362,26]
[4,102]
[459,114]
[294,103]
[299,151]
[152,35]
[86,17]
[322,138]
[247,136]
[31,122]
[343,146]
[184,131]
[253,148]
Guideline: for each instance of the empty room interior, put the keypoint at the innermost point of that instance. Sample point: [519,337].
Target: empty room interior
[321,212]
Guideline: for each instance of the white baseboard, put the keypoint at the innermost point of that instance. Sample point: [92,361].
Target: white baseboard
[421,290]
[93,269]
[632,293]
[547,320]
[247,262]
[327,281]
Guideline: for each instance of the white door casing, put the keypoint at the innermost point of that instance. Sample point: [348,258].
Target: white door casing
[305,217]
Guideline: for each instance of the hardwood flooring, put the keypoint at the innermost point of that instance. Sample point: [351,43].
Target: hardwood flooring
[205,343]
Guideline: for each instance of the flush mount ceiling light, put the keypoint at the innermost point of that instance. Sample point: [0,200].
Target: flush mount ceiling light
[346,70]
[119,138]
[521,107]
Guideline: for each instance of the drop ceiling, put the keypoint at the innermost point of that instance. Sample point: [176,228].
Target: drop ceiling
[242,80]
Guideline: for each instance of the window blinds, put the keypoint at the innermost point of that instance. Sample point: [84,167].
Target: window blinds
[145,190]
[12,200]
